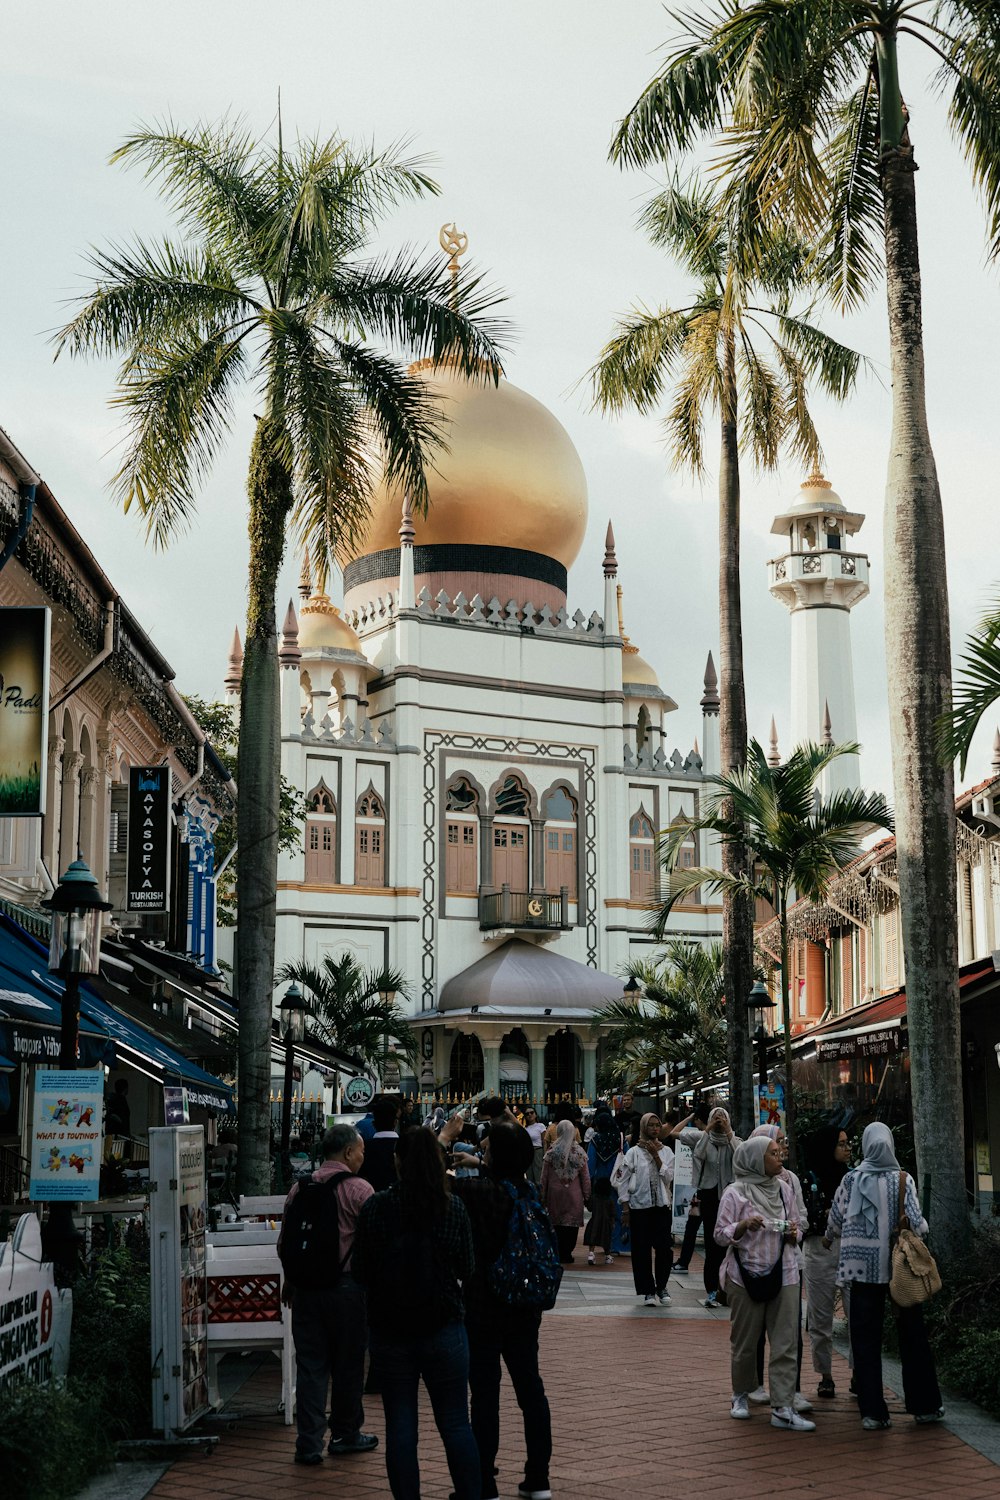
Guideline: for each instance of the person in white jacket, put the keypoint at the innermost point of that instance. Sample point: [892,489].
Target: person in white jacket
[644,1181]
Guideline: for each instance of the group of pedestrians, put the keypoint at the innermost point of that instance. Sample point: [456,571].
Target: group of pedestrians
[404,1271]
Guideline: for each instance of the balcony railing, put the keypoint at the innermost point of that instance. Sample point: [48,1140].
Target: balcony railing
[531,909]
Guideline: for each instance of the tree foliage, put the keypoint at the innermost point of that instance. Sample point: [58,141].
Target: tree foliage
[350,1013]
[678,1019]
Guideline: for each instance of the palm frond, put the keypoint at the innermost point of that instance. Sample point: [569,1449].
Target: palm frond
[685,100]
[973,76]
[976,690]
[684,220]
[638,359]
[852,250]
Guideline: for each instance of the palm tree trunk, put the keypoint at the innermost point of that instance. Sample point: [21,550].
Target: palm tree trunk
[270,494]
[737,910]
[918,660]
[786,1021]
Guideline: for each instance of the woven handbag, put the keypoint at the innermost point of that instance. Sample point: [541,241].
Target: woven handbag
[915,1276]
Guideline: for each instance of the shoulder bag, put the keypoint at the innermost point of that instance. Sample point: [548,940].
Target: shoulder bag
[915,1276]
[768,1286]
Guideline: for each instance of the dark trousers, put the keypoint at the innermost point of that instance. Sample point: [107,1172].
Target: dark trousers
[515,1341]
[441,1360]
[566,1237]
[330,1333]
[921,1392]
[650,1238]
[691,1226]
[714,1254]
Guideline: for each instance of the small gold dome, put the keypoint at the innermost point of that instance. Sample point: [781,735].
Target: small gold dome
[510,476]
[321,624]
[637,671]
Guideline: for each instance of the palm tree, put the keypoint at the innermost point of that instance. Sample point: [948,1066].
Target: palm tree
[270,284]
[976,691]
[804,101]
[350,1012]
[737,349]
[796,841]
[679,1019]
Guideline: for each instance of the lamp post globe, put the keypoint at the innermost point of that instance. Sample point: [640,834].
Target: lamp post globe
[760,1005]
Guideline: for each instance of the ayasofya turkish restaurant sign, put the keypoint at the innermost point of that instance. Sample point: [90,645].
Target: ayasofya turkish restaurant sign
[148,839]
[24,710]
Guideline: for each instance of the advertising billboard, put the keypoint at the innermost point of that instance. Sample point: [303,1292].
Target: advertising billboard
[24,710]
[68,1135]
[148,859]
[179,1306]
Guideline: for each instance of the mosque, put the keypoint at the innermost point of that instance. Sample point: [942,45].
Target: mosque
[485,763]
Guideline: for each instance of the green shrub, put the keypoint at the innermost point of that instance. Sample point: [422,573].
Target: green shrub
[110,1347]
[52,1440]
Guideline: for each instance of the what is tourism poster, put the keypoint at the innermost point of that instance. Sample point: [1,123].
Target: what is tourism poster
[67,1136]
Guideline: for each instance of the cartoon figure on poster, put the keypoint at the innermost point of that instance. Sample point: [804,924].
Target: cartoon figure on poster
[770,1104]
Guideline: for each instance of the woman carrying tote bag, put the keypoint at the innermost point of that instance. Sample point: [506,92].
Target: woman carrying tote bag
[758,1229]
[864,1216]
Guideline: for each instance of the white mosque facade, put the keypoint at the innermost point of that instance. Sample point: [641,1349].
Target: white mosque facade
[485,765]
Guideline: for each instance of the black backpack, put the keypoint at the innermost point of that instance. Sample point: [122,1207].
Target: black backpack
[310,1235]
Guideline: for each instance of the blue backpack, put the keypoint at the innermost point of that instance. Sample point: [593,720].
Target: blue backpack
[527,1272]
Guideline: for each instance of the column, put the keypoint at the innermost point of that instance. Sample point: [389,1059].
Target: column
[537,854]
[589,1071]
[486,853]
[102,810]
[491,1065]
[69,823]
[537,1069]
[88,839]
[53,804]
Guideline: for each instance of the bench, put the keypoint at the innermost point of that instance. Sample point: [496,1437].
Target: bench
[244,1279]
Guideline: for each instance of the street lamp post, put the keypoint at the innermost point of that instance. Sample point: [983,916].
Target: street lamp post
[760,1004]
[77,907]
[387,995]
[293,1011]
[632,990]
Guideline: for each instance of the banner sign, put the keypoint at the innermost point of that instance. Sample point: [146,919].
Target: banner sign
[683,1185]
[179,1307]
[148,859]
[35,1315]
[68,1135]
[885,1043]
[24,710]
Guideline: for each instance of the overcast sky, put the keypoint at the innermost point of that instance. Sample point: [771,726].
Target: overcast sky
[516,102]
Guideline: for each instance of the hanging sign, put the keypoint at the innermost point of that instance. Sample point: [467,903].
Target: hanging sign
[359,1092]
[68,1134]
[24,710]
[179,1306]
[148,859]
[769,1104]
[35,1314]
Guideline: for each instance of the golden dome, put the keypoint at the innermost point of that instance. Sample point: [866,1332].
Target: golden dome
[321,624]
[509,477]
[637,671]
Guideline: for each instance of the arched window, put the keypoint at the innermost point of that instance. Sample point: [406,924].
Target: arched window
[369,839]
[687,858]
[642,857]
[642,727]
[321,836]
[559,810]
[510,838]
[461,837]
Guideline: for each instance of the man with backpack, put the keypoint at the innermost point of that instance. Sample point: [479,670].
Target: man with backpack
[329,1325]
[516,1278]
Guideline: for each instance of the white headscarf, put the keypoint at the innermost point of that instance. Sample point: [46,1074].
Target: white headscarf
[764,1192]
[878,1159]
[714,1145]
[565,1156]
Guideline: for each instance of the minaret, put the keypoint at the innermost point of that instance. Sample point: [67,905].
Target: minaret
[819,581]
[610,580]
[710,720]
[289,657]
[773,753]
[234,670]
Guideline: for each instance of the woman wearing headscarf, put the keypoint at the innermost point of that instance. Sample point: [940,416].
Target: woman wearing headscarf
[760,1395]
[865,1215]
[602,1153]
[645,1192]
[712,1167]
[757,1229]
[536,1131]
[565,1187]
[826,1154]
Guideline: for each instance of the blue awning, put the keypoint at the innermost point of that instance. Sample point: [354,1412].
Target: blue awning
[139,1047]
[31,1006]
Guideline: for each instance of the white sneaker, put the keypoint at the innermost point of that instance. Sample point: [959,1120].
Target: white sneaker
[759,1396]
[650,1299]
[609,1260]
[664,1300]
[591,1259]
[800,1403]
[739,1409]
[790,1421]
[526,1494]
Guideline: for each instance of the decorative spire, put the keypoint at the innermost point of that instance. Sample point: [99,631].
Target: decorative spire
[454,242]
[289,654]
[627,646]
[610,559]
[815,480]
[827,725]
[710,697]
[773,753]
[234,666]
[694,747]
[407,531]
[305,577]
[995,766]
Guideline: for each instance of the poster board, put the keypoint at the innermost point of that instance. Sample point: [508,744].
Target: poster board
[24,709]
[35,1314]
[179,1303]
[67,1135]
[769,1105]
[683,1185]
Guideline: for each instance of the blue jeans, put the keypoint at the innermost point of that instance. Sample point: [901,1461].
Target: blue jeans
[514,1338]
[441,1359]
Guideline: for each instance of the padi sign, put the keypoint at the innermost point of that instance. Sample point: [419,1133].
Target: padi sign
[148,862]
[24,710]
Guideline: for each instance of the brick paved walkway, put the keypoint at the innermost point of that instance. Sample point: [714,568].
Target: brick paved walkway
[640,1404]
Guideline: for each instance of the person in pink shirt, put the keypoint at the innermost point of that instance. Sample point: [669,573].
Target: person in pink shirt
[759,1229]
